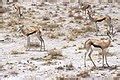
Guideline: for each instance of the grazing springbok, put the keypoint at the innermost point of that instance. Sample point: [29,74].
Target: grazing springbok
[27,31]
[103,44]
[18,9]
[85,7]
[106,18]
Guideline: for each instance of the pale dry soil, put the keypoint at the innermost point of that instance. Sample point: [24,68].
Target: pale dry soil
[29,65]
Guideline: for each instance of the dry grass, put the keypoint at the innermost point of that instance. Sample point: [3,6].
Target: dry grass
[33,58]
[43,23]
[16,52]
[1,24]
[84,74]
[71,38]
[34,45]
[48,26]
[74,33]
[88,29]
[53,35]
[69,66]
[53,25]
[49,63]
[66,67]
[53,54]
[78,18]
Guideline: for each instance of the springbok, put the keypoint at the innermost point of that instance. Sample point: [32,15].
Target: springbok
[103,44]
[18,9]
[85,7]
[27,31]
[106,18]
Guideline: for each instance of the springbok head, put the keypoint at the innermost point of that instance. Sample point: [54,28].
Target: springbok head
[20,28]
[110,35]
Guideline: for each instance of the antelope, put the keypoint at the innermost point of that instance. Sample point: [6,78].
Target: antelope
[27,31]
[102,43]
[18,9]
[106,18]
[85,7]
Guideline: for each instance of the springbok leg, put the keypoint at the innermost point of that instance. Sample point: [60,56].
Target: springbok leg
[85,56]
[28,42]
[103,58]
[41,40]
[106,59]
[97,29]
[91,58]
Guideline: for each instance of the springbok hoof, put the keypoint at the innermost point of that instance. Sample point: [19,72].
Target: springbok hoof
[108,66]
[104,66]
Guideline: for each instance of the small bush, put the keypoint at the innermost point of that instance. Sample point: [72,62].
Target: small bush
[84,74]
[88,29]
[32,58]
[53,35]
[71,38]
[52,25]
[74,33]
[69,66]
[53,54]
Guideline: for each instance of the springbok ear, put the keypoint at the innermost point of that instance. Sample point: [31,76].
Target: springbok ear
[20,27]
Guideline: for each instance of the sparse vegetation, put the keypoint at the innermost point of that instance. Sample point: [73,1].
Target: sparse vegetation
[53,35]
[16,52]
[53,54]
[66,67]
[63,29]
[88,29]
[74,33]
[33,58]
[84,74]
[34,45]
[69,66]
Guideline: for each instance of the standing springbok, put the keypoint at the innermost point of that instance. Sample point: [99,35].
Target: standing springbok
[18,9]
[85,7]
[27,31]
[106,18]
[103,44]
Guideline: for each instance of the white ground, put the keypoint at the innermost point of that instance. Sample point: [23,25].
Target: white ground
[21,67]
